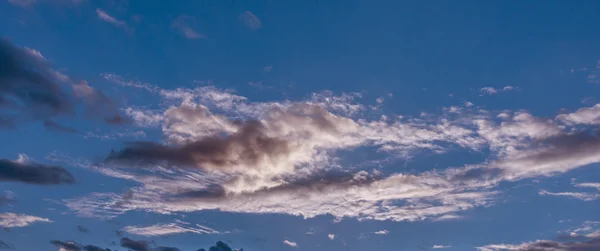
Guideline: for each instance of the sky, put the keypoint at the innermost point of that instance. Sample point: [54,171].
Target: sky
[299,125]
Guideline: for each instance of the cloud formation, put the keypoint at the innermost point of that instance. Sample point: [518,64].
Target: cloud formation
[168,229]
[185,25]
[228,153]
[29,87]
[102,15]
[11,220]
[250,20]
[491,90]
[26,171]
[290,243]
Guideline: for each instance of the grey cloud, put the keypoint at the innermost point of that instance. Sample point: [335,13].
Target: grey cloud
[29,88]
[51,125]
[73,246]
[249,145]
[83,229]
[590,244]
[135,245]
[33,173]
[67,246]
[166,249]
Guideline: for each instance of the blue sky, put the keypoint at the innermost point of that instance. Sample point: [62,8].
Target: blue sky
[308,125]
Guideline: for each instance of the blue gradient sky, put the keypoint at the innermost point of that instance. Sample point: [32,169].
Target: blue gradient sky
[411,69]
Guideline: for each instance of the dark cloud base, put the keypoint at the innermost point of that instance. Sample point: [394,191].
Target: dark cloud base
[131,245]
[33,173]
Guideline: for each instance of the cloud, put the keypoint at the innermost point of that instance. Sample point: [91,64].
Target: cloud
[331,236]
[290,243]
[5,245]
[231,154]
[32,90]
[73,246]
[29,87]
[184,24]
[7,198]
[51,125]
[382,232]
[440,246]
[135,245]
[580,196]
[66,246]
[168,229]
[82,229]
[26,171]
[583,116]
[102,15]
[117,79]
[250,20]
[584,238]
[11,220]
[491,90]
[268,68]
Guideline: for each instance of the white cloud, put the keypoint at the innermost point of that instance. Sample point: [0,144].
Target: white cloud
[117,79]
[382,232]
[331,236]
[491,90]
[186,26]
[583,116]
[11,220]
[169,229]
[591,185]
[290,243]
[250,20]
[440,246]
[309,134]
[102,15]
[268,68]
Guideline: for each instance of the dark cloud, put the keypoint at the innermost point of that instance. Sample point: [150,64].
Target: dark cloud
[220,246]
[321,182]
[29,88]
[34,173]
[5,245]
[51,125]
[119,233]
[592,244]
[118,120]
[94,248]
[166,249]
[248,146]
[83,229]
[72,246]
[67,246]
[135,245]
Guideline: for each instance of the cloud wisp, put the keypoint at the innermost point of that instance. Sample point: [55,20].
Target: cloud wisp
[12,220]
[250,20]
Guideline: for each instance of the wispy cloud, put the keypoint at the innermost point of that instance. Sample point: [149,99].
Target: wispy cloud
[491,90]
[290,243]
[440,246]
[331,236]
[11,220]
[110,19]
[250,20]
[382,232]
[169,229]
[185,25]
